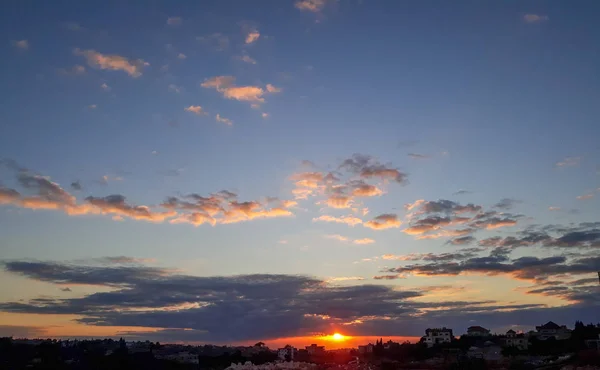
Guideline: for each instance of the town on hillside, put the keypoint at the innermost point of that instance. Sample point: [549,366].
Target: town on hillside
[549,346]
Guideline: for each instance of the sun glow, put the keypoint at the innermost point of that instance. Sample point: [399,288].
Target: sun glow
[338,337]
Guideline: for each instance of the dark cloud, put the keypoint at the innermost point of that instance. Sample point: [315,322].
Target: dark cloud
[17,331]
[389,277]
[582,236]
[506,203]
[236,308]
[67,289]
[368,167]
[76,185]
[446,218]
[528,268]
[418,156]
[463,240]
[384,221]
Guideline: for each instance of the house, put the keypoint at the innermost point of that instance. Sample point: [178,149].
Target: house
[437,336]
[552,330]
[519,341]
[477,331]
[287,353]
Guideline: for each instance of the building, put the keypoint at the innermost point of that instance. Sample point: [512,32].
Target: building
[363,350]
[437,336]
[313,349]
[477,331]
[593,343]
[552,330]
[287,353]
[519,341]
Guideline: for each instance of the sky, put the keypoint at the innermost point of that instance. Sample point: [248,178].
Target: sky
[235,171]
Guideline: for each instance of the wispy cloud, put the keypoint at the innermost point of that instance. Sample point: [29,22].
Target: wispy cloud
[585,196]
[272,89]
[175,88]
[113,62]
[105,87]
[314,6]
[181,56]
[174,21]
[348,220]
[196,109]
[363,241]
[21,44]
[535,18]
[217,41]
[247,59]
[224,120]
[568,162]
[75,70]
[418,156]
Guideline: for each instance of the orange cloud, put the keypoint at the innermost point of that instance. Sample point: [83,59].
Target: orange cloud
[384,221]
[113,62]
[225,85]
[252,36]
[196,219]
[366,190]
[116,205]
[314,6]
[339,201]
[364,241]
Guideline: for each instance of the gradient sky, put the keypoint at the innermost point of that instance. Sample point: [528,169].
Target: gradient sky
[230,171]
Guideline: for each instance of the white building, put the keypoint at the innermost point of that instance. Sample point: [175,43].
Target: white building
[437,336]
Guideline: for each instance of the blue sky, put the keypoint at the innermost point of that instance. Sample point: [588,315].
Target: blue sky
[498,100]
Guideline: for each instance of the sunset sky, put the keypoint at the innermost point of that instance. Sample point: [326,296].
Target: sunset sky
[235,171]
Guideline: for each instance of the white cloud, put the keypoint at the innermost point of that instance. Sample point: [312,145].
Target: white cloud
[181,56]
[265,115]
[92,106]
[105,87]
[196,109]
[224,120]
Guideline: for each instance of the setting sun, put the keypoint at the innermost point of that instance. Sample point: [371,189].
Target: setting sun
[338,337]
